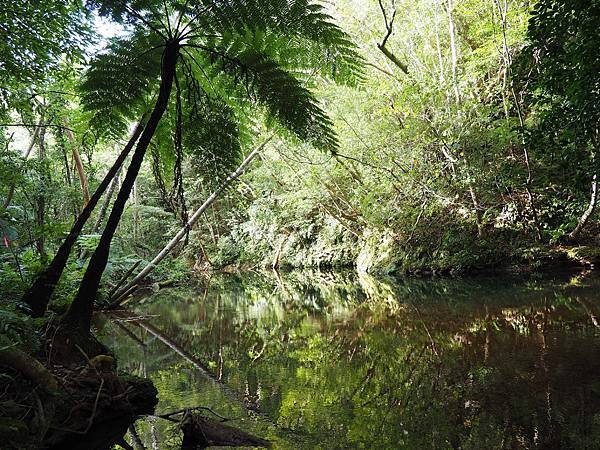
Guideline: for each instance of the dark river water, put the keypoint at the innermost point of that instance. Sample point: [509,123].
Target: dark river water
[333,360]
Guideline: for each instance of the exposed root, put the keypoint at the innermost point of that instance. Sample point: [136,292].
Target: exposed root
[90,406]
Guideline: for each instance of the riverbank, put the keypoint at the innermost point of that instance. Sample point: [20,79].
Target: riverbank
[60,392]
[381,254]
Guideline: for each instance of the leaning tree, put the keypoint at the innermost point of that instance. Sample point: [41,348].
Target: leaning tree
[207,68]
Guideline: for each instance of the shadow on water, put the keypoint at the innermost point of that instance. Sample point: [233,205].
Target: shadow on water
[334,360]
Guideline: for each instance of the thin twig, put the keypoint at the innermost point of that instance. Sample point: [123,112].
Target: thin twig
[185,410]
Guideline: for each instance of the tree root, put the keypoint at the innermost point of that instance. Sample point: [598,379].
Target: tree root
[29,367]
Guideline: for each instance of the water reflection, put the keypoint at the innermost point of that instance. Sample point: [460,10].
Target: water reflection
[312,360]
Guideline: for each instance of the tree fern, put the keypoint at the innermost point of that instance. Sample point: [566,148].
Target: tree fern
[215,54]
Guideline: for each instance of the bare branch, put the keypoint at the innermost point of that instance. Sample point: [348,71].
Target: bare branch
[389,27]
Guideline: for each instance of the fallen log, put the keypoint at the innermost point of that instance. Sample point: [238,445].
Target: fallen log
[201,432]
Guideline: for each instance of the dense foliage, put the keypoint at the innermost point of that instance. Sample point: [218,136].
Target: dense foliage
[482,154]
[468,140]
[169,136]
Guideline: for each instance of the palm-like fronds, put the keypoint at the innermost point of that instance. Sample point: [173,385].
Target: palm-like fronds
[303,26]
[284,97]
[233,51]
[120,80]
[211,132]
[226,35]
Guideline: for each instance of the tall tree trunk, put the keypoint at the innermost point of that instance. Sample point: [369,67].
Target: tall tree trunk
[39,294]
[85,190]
[583,220]
[107,199]
[185,229]
[60,137]
[40,213]
[453,49]
[80,312]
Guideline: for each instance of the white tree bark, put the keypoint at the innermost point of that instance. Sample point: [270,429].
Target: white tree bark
[583,220]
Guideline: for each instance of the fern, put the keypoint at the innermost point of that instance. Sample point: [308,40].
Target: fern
[305,29]
[119,82]
[211,133]
[280,92]
[236,54]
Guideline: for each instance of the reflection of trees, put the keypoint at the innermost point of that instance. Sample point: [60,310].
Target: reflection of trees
[417,364]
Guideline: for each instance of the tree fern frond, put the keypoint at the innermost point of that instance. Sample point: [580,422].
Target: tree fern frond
[285,98]
[128,11]
[211,133]
[301,23]
[119,81]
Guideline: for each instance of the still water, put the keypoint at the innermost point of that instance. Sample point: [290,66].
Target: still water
[333,360]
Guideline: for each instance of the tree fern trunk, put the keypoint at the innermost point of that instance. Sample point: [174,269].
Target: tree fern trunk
[80,312]
[40,292]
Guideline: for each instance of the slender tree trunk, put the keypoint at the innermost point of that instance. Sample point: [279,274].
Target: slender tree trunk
[107,199]
[438,47]
[61,142]
[39,294]
[187,227]
[478,215]
[453,49]
[213,235]
[80,312]
[583,220]
[85,190]
[40,212]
